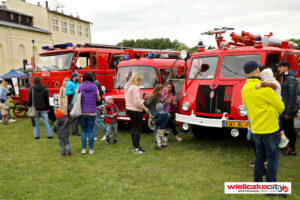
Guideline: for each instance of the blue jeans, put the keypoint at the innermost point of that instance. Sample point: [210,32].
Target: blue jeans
[99,123]
[110,127]
[64,145]
[44,116]
[87,123]
[266,146]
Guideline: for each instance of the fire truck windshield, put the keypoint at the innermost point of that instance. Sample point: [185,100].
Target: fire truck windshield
[232,66]
[55,62]
[150,76]
[203,67]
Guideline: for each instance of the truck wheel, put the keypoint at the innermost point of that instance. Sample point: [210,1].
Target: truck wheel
[199,131]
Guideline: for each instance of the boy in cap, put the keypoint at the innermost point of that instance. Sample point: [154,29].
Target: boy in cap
[264,108]
[161,119]
[62,128]
[4,111]
[110,112]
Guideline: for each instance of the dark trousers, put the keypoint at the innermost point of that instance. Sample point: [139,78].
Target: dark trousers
[289,130]
[172,124]
[74,124]
[266,147]
[136,119]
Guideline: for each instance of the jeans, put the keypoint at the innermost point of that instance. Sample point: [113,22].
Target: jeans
[99,123]
[44,116]
[110,127]
[64,145]
[136,119]
[290,132]
[266,146]
[87,123]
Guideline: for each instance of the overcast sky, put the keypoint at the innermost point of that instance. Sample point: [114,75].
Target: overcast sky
[115,20]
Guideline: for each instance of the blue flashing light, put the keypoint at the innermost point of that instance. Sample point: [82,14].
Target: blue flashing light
[58,46]
[45,47]
[125,57]
[258,39]
[150,55]
[200,44]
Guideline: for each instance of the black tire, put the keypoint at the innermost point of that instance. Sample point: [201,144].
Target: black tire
[200,131]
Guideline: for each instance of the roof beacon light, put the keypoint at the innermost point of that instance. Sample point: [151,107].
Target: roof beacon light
[200,46]
[58,46]
[258,41]
[150,55]
[125,57]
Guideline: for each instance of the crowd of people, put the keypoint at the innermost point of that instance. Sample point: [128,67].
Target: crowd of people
[161,105]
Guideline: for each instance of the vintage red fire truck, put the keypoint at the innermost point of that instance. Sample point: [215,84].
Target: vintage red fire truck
[211,94]
[59,61]
[154,71]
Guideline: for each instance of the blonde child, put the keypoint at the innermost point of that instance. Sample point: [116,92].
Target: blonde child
[4,111]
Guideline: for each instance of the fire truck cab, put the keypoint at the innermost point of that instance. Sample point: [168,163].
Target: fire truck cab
[59,61]
[154,71]
[211,94]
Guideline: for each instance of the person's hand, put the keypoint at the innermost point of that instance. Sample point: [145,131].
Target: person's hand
[112,116]
[151,116]
[146,109]
[257,86]
[287,117]
[175,103]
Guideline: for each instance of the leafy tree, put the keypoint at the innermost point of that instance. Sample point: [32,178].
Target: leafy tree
[297,41]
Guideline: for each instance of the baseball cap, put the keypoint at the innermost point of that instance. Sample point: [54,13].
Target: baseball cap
[283,63]
[251,66]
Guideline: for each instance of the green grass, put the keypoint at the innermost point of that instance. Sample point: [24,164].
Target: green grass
[192,169]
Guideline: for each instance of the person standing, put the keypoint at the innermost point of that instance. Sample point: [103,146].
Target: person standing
[71,87]
[98,122]
[39,93]
[289,97]
[170,106]
[111,112]
[264,108]
[63,99]
[89,95]
[134,107]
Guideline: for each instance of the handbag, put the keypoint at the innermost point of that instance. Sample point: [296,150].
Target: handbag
[32,109]
[76,110]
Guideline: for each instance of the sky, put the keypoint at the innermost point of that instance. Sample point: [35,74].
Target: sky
[184,20]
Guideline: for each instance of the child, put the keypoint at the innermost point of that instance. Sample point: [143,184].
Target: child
[4,111]
[62,128]
[110,112]
[161,118]
[269,81]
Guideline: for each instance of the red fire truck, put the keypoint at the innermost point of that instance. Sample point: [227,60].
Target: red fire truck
[59,61]
[211,94]
[154,71]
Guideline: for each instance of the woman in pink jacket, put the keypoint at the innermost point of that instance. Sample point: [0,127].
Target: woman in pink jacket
[134,107]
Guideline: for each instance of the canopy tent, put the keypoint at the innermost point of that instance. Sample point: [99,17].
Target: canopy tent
[14,73]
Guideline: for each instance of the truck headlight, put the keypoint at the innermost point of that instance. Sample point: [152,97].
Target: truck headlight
[185,106]
[242,111]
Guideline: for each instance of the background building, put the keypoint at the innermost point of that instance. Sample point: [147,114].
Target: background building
[25,28]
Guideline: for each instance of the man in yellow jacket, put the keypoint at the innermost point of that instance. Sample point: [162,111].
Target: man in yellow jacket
[264,108]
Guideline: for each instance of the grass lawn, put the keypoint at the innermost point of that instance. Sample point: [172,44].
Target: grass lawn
[192,169]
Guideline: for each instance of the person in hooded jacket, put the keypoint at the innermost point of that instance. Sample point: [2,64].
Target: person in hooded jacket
[41,103]
[289,97]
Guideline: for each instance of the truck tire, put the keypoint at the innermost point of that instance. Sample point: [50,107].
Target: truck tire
[200,131]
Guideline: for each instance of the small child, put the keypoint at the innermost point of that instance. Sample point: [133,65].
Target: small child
[269,81]
[4,111]
[110,112]
[62,128]
[161,119]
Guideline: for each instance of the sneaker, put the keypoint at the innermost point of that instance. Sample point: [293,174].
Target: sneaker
[5,123]
[283,143]
[179,139]
[49,137]
[37,138]
[252,164]
[95,138]
[83,151]
[69,152]
[115,141]
[63,154]
[91,151]
[138,151]
[12,120]
[103,138]
[107,141]
[157,148]
[141,149]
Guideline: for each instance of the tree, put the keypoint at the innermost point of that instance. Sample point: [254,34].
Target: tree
[297,41]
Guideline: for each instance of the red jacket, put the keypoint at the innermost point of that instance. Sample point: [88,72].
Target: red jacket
[110,109]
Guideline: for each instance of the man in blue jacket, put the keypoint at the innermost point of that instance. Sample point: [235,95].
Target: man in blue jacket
[71,87]
[289,98]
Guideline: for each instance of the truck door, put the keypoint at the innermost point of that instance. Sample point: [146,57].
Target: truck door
[85,62]
[294,60]
[111,65]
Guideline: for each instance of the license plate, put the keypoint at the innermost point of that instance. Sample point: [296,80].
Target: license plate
[235,124]
[122,114]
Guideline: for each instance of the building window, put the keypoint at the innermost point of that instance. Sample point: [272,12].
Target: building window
[78,28]
[55,28]
[11,16]
[86,30]
[71,25]
[54,21]
[27,20]
[64,30]
[72,31]
[64,24]
[79,33]
[86,35]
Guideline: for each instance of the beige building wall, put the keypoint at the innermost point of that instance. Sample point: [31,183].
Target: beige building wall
[16,45]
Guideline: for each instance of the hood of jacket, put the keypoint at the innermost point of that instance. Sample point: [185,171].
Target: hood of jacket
[267,75]
[38,87]
[128,86]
